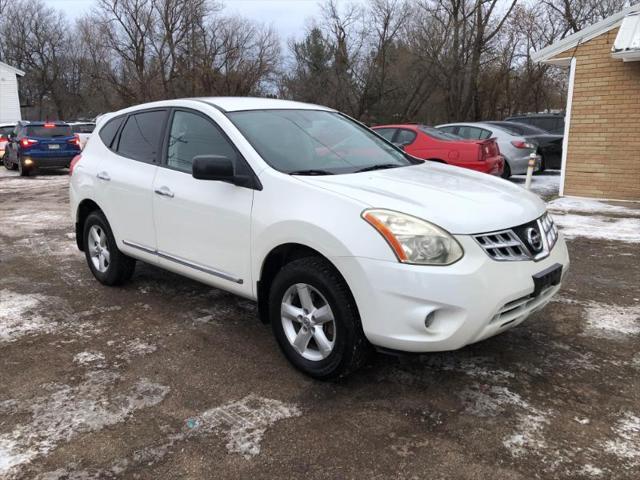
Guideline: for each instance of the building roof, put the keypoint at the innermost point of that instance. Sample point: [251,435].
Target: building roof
[547,54]
[627,45]
[20,73]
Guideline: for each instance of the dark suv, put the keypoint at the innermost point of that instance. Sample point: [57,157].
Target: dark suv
[38,145]
[550,122]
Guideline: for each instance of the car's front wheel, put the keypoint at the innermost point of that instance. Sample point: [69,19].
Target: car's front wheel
[315,319]
[108,264]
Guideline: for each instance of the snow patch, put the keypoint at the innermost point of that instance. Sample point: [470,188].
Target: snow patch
[86,358]
[18,315]
[136,348]
[543,185]
[612,321]
[627,446]
[589,206]
[599,227]
[244,422]
[72,410]
[590,471]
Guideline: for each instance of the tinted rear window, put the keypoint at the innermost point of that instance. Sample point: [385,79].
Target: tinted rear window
[108,132]
[49,132]
[4,131]
[439,134]
[83,128]
[140,137]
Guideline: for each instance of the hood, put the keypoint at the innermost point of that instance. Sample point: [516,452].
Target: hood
[459,200]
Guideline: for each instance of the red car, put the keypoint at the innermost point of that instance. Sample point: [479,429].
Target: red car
[431,144]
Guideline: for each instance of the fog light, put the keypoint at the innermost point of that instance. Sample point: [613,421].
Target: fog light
[428,321]
[28,162]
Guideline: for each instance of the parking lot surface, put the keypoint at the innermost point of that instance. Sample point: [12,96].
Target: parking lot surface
[167,378]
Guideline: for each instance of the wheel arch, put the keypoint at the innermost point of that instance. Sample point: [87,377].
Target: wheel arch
[273,262]
[85,208]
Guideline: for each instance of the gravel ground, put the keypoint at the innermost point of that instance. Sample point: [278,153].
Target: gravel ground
[167,378]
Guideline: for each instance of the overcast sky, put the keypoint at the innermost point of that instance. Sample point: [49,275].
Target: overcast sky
[288,17]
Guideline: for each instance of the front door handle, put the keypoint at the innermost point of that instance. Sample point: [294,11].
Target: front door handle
[164,191]
[104,176]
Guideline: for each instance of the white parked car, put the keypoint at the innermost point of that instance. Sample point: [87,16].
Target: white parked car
[342,239]
[82,131]
[5,131]
[516,149]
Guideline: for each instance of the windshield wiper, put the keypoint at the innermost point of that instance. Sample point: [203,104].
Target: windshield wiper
[310,172]
[381,166]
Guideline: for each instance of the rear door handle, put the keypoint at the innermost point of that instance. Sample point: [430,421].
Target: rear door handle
[164,191]
[104,176]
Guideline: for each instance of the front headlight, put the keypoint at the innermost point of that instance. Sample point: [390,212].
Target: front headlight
[414,240]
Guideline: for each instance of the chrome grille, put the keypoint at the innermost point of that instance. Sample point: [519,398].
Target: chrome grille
[510,245]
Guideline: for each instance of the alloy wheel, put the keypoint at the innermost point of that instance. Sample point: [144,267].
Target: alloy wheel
[99,249]
[308,322]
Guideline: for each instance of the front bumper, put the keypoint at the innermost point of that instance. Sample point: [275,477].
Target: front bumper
[469,301]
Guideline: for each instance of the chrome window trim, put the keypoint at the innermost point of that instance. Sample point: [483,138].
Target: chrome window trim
[186,263]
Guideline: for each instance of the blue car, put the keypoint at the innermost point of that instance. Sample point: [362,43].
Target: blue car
[40,145]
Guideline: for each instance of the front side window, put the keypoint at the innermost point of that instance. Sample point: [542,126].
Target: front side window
[315,142]
[140,137]
[193,135]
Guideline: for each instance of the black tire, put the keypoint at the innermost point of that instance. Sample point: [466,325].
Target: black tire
[24,171]
[7,163]
[121,267]
[506,173]
[351,348]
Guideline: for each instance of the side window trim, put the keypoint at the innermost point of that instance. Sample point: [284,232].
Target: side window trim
[116,137]
[164,163]
[160,142]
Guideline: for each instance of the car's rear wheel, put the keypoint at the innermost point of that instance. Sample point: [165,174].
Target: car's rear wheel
[108,264]
[23,169]
[315,319]
[7,163]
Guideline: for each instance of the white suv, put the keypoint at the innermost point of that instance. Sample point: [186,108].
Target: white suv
[343,240]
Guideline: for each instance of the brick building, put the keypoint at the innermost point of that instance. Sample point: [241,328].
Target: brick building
[601,154]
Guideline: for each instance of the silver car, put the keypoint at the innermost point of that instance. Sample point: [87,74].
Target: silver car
[515,149]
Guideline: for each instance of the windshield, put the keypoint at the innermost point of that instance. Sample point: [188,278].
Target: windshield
[439,134]
[315,142]
[49,132]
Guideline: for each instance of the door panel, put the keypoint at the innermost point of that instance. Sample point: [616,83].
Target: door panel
[125,188]
[203,227]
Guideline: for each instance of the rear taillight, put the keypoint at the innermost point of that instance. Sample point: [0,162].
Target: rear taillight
[3,139]
[73,163]
[27,142]
[484,152]
[74,141]
[522,144]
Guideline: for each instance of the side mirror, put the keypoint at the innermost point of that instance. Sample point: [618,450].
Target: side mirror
[222,169]
[213,167]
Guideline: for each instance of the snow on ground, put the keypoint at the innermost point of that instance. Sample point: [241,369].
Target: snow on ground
[69,411]
[612,321]
[591,206]
[627,444]
[19,316]
[544,185]
[241,423]
[599,227]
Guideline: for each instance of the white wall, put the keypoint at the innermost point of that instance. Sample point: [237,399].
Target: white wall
[9,99]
